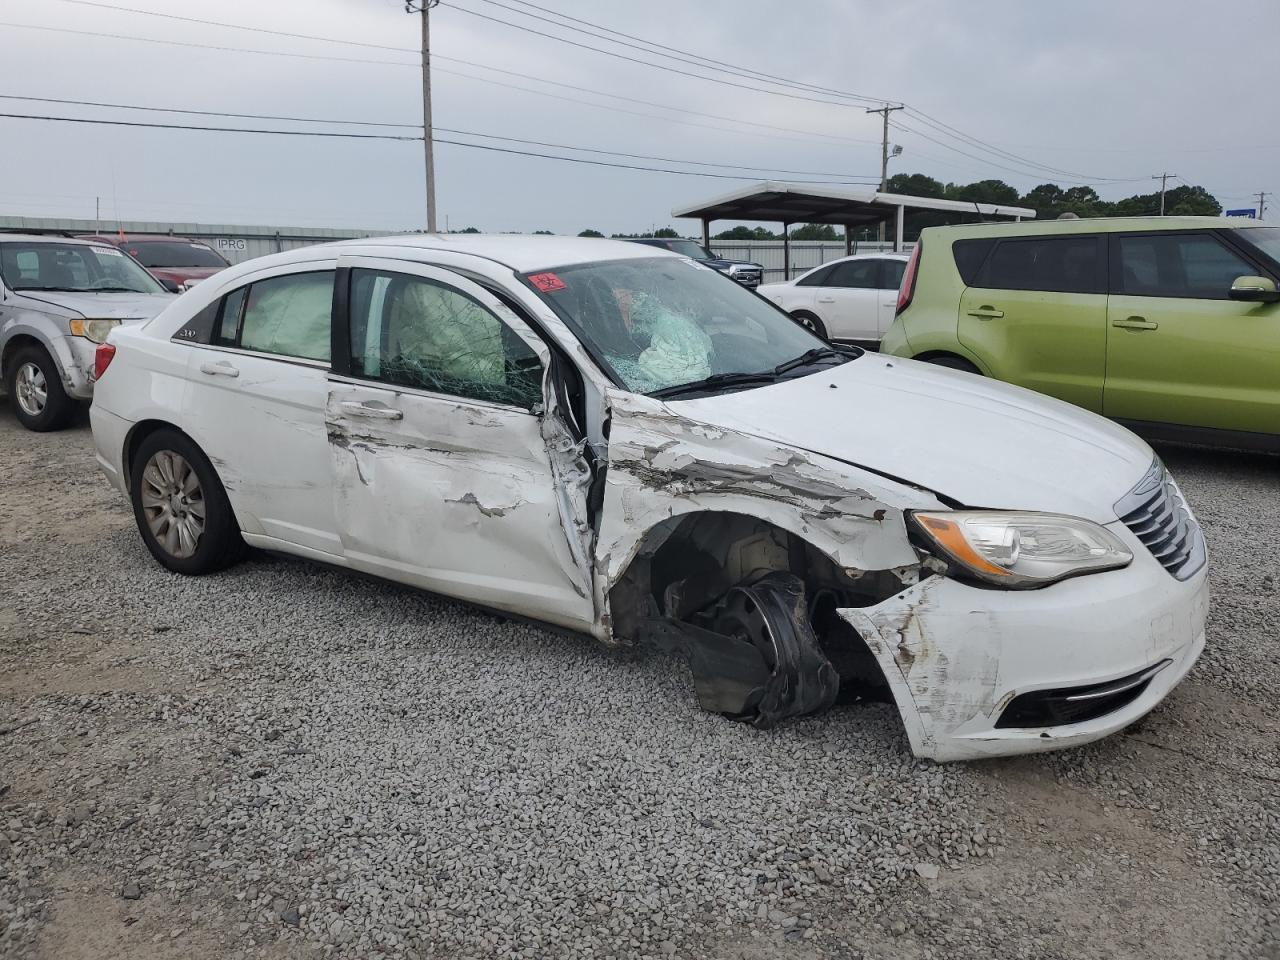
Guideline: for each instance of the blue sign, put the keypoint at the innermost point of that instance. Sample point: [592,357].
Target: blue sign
[1249,212]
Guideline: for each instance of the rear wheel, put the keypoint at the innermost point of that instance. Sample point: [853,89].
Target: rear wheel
[35,390]
[953,362]
[810,321]
[180,506]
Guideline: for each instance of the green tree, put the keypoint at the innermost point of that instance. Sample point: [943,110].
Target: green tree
[591,233]
[984,191]
[1045,200]
[467,230]
[747,233]
[915,185]
[814,231]
[666,233]
[543,233]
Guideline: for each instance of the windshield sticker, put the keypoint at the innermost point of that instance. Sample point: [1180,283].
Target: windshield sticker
[547,282]
[109,251]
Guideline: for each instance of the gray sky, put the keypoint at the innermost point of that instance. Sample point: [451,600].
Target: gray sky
[1103,88]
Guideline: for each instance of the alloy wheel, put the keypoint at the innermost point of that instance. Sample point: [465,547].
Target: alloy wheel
[173,503]
[32,389]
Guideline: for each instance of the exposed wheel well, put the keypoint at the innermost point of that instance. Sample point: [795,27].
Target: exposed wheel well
[139,432]
[686,564]
[13,346]
[945,358]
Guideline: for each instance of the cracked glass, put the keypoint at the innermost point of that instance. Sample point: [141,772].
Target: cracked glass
[414,332]
[663,322]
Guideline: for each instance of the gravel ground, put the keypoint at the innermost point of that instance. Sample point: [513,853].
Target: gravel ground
[287,761]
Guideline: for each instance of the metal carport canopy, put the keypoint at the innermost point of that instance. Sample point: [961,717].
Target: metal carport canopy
[789,203]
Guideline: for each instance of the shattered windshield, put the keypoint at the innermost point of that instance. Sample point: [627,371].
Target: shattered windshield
[665,322]
[79,267]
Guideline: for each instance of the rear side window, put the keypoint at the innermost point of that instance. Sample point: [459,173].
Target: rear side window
[289,316]
[1049,264]
[858,274]
[815,279]
[891,272]
[1192,266]
[970,255]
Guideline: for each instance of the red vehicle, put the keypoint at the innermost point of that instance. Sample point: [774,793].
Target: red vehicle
[177,262]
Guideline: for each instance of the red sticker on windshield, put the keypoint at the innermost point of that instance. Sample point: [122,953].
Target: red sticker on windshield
[546,282]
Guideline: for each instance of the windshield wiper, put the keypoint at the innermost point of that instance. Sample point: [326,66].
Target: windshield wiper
[112,290]
[714,382]
[812,356]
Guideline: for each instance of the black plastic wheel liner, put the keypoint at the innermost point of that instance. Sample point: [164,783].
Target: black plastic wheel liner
[781,673]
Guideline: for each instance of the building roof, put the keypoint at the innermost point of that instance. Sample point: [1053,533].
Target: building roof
[805,203]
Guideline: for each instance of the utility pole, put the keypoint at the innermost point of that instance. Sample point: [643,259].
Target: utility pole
[1262,203]
[884,152]
[423,7]
[1164,179]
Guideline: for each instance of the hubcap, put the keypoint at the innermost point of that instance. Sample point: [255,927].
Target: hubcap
[32,389]
[173,503]
[806,323]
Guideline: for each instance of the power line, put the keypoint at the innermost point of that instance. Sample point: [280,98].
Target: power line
[646,63]
[705,63]
[239,26]
[207,46]
[415,126]
[955,134]
[741,70]
[411,139]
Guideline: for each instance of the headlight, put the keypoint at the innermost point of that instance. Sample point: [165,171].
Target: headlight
[1022,550]
[94,330]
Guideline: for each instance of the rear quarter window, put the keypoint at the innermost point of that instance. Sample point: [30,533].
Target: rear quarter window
[970,255]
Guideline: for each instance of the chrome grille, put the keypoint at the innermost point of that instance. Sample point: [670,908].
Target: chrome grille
[1158,516]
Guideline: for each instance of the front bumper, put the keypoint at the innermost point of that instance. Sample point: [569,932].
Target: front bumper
[956,655]
[74,357]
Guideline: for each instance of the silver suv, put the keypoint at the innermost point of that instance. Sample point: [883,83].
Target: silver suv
[59,298]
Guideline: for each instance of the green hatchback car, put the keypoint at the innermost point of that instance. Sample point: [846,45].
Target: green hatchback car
[1170,325]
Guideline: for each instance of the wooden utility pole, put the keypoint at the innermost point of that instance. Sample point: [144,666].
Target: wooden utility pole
[1164,179]
[884,152]
[1262,203]
[423,7]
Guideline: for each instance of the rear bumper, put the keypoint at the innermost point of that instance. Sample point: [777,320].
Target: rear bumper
[109,435]
[956,656]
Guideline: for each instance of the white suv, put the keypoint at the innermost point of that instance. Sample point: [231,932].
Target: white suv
[625,443]
[59,298]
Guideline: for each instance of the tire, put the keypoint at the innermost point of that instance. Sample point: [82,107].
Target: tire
[35,391]
[952,362]
[170,483]
[811,322]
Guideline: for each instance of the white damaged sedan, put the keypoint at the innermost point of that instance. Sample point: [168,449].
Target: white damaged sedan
[623,443]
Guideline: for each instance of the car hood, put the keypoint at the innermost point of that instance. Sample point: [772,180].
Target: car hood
[123,306]
[976,441]
[183,274]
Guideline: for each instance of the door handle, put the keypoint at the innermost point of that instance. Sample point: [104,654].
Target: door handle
[987,313]
[371,411]
[219,369]
[826,299]
[1136,323]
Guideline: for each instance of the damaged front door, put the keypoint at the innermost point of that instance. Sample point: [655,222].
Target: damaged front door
[442,474]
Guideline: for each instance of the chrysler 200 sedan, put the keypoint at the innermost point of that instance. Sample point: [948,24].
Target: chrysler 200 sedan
[623,443]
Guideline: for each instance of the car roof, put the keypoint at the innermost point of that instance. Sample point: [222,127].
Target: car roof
[520,252]
[46,238]
[136,237]
[1042,228]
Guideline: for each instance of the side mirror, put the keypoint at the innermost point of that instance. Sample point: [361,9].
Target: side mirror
[170,285]
[1254,290]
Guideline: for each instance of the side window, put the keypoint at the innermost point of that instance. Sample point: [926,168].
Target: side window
[1050,264]
[1196,266]
[288,315]
[863,274]
[413,332]
[816,279]
[891,272]
[970,255]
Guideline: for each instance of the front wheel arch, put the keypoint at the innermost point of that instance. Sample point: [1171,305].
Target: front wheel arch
[952,361]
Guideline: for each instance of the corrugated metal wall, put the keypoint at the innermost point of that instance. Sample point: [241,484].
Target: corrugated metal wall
[238,243]
[805,254]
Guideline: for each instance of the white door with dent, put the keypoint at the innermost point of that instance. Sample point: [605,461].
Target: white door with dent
[439,446]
